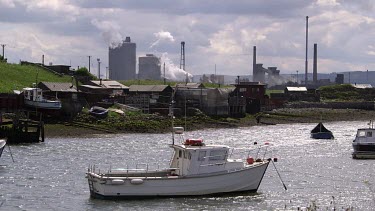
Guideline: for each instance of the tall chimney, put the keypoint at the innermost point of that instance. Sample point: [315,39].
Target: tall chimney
[307,38]
[254,61]
[315,65]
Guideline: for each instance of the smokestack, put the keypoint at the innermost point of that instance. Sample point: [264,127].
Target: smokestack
[182,61]
[315,65]
[307,36]
[127,39]
[254,61]
[43,59]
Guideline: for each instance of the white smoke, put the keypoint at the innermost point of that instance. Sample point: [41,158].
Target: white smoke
[162,36]
[172,72]
[109,31]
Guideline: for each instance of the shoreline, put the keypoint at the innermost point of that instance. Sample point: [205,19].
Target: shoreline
[277,116]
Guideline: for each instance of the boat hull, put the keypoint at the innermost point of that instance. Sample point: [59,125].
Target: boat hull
[364,150]
[247,179]
[322,135]
[48,105]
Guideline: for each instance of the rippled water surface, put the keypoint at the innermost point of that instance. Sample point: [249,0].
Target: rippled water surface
[51,175]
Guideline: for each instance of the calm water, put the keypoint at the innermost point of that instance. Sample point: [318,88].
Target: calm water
[51,175]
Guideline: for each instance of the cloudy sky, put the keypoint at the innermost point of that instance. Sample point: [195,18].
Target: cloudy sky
[220,32]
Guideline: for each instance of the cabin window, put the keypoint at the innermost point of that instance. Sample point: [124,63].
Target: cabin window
[369,134]
[243,89]
[185,154]
[189,156]
[361,134]
[180,153]
[202,156]
[218,155]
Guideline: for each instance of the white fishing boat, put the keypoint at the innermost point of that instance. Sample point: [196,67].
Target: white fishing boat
[364,143]
[33,97]
[195,169]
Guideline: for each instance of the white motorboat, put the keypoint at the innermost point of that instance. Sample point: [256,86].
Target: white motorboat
[33,97]
[195,169]
[364,143]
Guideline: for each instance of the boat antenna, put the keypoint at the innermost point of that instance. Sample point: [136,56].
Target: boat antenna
[279,175]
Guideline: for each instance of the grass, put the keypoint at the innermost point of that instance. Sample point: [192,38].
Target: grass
[16,77]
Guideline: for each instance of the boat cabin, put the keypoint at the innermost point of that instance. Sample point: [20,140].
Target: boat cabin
[33,94]
[194,157]
[365,135]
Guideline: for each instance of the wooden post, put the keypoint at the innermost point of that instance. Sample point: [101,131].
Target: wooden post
[42,130]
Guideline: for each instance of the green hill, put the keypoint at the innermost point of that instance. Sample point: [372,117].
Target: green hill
[16,77]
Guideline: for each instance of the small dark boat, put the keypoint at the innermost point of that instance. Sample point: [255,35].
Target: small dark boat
[99,112]
[2,146]
[321,132]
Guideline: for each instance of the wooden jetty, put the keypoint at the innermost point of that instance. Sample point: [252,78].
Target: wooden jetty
[22,131]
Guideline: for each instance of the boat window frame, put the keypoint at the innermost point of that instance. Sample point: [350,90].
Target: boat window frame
[202,155]
[218,154]
[180,153]
[369,134]
[361,133]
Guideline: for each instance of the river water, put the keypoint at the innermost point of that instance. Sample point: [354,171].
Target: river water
[51,175]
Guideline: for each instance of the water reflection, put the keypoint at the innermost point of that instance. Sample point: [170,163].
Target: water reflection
[50,175]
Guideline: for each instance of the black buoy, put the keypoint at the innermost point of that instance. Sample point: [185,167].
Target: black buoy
[255,143]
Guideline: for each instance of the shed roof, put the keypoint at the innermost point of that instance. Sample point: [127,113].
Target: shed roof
[296,89]
[190,85]
[110,84]
[362,86]
[147,88]
[59,86]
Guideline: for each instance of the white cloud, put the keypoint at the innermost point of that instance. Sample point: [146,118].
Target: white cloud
[216,32]
[7,3]
[327,3]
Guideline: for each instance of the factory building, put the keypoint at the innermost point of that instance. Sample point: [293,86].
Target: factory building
[149,67]
[122,61]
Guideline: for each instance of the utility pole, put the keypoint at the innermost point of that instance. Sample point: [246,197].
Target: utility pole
[3,45]
[89,63]
[98,68]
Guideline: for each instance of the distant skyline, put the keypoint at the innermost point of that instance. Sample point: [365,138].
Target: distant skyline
[215,32]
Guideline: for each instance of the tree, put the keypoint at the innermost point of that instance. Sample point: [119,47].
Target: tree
[2,59]
[84,72]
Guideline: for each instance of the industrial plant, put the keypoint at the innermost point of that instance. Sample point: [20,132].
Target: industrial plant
[122,61]
[149,67]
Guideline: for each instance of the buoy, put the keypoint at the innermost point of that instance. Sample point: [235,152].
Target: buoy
[136,181]
[117,182]
[250,160]
[255,143]
[274,159]
[266,143]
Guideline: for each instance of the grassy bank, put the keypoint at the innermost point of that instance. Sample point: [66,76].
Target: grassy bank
[16,77]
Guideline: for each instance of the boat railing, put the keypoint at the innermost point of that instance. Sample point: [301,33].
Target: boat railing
[237,154]
[139,170]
